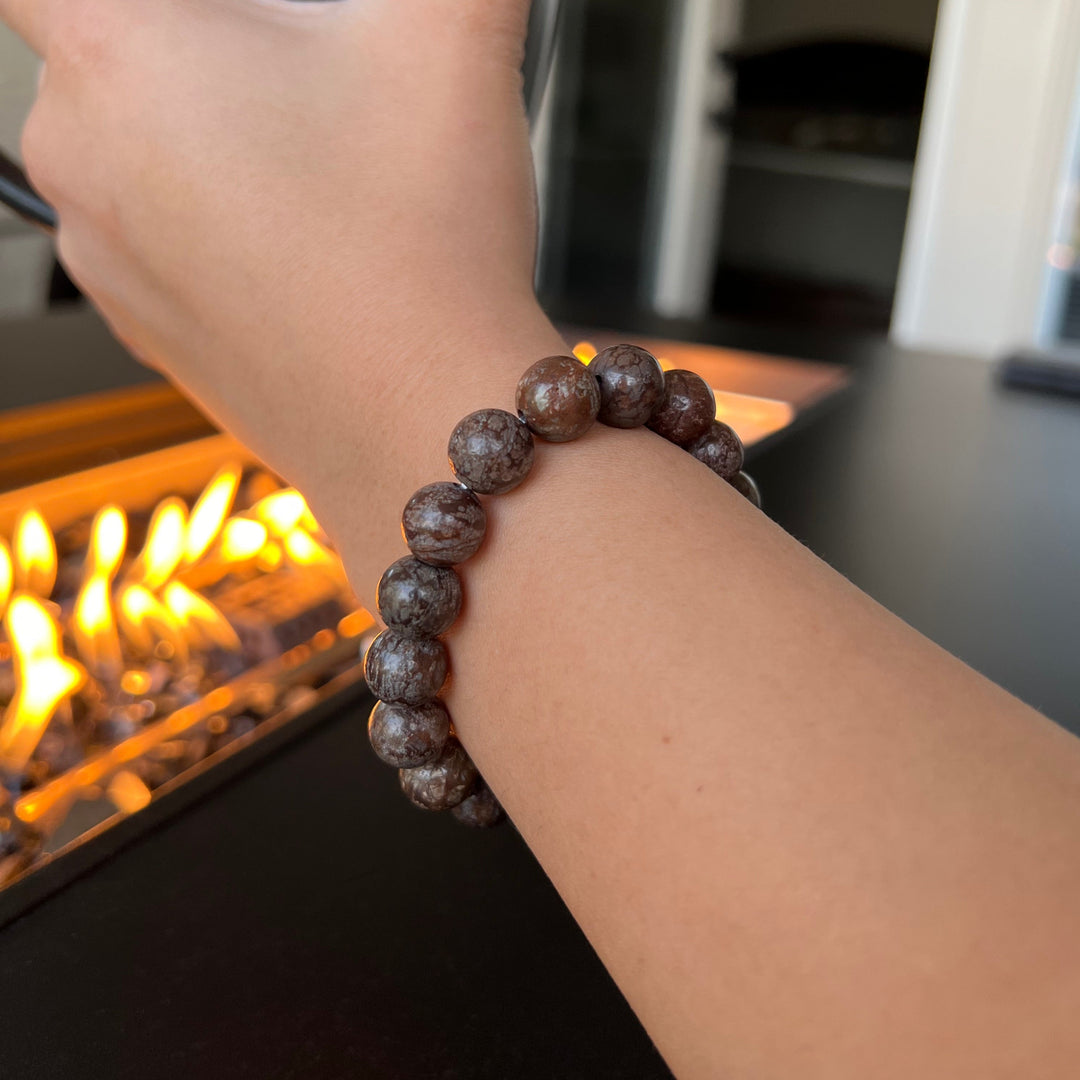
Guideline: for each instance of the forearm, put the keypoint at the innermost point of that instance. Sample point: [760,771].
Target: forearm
[804,840]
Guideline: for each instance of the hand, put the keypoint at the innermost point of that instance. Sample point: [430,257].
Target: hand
[252,191]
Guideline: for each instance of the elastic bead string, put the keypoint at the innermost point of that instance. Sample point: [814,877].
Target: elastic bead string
[491,452]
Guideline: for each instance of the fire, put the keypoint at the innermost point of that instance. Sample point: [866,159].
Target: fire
[303,550]
[94,628]
[585,351]
[7,575]
[108,542]
[199,620]
[43,677]
[283,511]
[242,539]
[92,622]
[35,555]
[146,621]
[164,546]
[209,513]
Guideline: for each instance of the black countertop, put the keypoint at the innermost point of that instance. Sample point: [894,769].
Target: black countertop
[305,922]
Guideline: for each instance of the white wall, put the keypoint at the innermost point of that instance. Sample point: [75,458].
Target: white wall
[25,255]
[990,167]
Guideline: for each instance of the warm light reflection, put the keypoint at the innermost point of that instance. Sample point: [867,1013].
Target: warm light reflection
[146,621]
[128,792]
[43,679]
[35,555]
[209,513]
[199,620]
[585,351]
[7,576]
[242,539]
[164,547]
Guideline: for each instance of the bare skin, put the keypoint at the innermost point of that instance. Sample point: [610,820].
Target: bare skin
[806,842]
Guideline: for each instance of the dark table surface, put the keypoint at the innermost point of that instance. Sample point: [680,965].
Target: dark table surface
[304,922]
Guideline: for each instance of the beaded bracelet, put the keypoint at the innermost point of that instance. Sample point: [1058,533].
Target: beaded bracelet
[491,452]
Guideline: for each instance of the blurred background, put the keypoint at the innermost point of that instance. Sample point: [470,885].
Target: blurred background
[833,164]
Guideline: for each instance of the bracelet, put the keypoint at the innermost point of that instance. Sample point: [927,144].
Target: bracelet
[491,452]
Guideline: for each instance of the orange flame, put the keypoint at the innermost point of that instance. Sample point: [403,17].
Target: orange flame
[93,624]
[242,539]
[146,621]
[43,677]
[7,576]
[282,511]
[35,555]
[303,550]
[200,622]
[209,513]
[164,547]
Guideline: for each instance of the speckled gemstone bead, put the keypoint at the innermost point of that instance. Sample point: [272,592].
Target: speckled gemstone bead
[407,736]
[631,385]
[405,669]
[686,410]
[443,784]
[719,448]
[744,484]
[444,524]
[558,398]
[417,599]
[491,451]
[481,810]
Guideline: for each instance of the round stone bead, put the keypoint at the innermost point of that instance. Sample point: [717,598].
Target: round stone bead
[417,599]
[631,385]
[719,448]
[481,810]
[443,784]
[444,524]
[687,409]
[744,484]
[405,669]
[407,736]
[558,398]
[491,451]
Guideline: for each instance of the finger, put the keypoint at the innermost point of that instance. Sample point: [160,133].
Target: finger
[27,18]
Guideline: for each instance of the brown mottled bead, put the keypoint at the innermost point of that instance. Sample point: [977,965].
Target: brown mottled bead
[444,783]
[745,485]
[443,524]
[491,451]
[631,385]
[407,736]
[417,599]
[719,448]
[405,669]
[481,810]
[687,409]
[558,398]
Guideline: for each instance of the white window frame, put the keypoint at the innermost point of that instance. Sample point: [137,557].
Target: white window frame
[992,160]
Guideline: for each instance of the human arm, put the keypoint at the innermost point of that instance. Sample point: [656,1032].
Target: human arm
[878,873]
